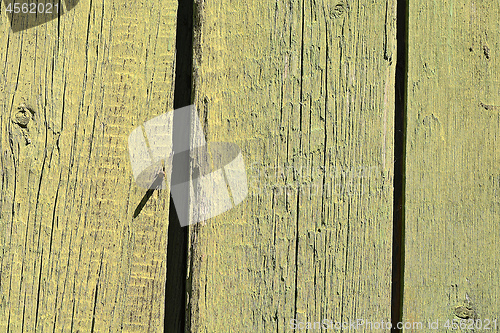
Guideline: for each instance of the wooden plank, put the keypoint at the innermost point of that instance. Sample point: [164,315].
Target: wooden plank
[72,257]
[306,89]
[453,162]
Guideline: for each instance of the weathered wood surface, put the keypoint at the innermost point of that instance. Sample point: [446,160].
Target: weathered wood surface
[306,89]
[453,162]
[72,258]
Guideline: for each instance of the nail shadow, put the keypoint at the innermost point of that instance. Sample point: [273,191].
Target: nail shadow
[156,185]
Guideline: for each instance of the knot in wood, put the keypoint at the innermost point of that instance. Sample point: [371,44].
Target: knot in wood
[22,115]
[465,311]
[339,9]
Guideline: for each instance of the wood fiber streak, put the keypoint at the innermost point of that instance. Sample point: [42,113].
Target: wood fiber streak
[453,162]
[306,89]
[71,257]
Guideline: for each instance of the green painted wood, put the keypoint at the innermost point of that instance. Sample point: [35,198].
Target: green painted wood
[306,89]
[71,257]
[453,162]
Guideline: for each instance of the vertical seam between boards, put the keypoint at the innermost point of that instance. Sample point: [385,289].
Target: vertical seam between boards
[401,84]
[175,311]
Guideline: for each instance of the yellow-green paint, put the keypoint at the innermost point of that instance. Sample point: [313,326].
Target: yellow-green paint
[453,162]
[306,89]
[72,258]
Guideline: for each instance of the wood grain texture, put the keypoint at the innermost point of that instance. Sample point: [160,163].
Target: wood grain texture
[306,89]
[453,162]
[72,258]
